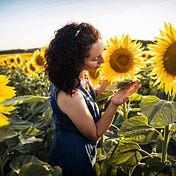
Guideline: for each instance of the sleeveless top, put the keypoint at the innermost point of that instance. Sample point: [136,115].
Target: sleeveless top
[70,150]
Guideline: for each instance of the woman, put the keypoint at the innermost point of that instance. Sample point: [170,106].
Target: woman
[74,49]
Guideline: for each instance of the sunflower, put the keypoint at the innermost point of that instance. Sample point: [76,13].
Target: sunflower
[6,92]
[11,59]
[163,59]
[146,55]
[5,110]
[18,60]
[12,66]
[94,77]
[25,70]
[122,59]
[39,60]
[43,50]
[3,61]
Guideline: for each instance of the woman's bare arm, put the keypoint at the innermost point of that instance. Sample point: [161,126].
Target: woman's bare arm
[76,109]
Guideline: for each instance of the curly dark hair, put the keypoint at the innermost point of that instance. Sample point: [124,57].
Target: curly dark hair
[66,54]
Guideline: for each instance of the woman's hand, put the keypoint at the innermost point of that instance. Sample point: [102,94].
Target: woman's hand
[123,94]
[102,87]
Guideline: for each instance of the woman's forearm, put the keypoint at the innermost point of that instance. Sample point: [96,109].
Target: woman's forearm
[106,120]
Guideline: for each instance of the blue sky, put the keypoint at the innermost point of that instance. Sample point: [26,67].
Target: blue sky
[31,23]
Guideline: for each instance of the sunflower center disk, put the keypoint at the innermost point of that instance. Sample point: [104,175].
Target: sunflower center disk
[40,61]
[170,60]
[120,61]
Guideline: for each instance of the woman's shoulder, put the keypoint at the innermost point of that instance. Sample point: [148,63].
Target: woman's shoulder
[68,103]
[74,98]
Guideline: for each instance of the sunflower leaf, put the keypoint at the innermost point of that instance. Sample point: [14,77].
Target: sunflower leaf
[137,129]
[23,99]
[125,153]
[6,133]
[159,112]
[103,96]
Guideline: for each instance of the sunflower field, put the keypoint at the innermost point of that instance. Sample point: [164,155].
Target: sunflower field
[142,139]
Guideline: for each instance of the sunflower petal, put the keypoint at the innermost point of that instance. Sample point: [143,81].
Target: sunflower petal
[3,120]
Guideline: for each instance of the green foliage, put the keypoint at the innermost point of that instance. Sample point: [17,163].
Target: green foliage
[26,165]
[139,143]
[160,112]
[23,99]
[24,143]
[136,144]
[138,129]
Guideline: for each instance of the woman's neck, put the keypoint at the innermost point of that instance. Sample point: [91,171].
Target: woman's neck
[82,75]
[84,80]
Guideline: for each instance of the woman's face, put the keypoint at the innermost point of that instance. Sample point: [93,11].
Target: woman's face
[95,59]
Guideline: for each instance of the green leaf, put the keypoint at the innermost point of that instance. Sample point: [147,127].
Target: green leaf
[6,133]
[125,153]
[109,143]
[154,166]
[124,83]
[57,171]
[43,123]
[28,135]
[137,129]
[34,169]
[31,131]
[98,169]
[15,145]
[104,167]
[135,97]
[18,123]
[100,155]
[103,96]
[111,87]
[159,112]
[29,140]
[173,131]
[18,162]
[23,99]
[108,170]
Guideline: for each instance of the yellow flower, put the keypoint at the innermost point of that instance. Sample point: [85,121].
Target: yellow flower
[11,59]
[94,77]
[43,50]
[164,59]
[6,92]
[39,60]
[3,61]
[5,110]
[31,68]
[12,66]
[18,60]
[25,70]
[146,55]
[123,59]
[4,120]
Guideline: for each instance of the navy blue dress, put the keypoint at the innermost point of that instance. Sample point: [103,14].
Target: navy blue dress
[70,150]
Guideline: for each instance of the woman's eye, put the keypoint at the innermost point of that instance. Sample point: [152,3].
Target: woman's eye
[96,58]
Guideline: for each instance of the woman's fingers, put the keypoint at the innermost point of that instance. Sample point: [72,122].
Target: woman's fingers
[124,93]
[134,87]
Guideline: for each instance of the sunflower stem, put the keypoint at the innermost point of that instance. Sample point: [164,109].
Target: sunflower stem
[125,114]
[1,168]
[166,137]
[165,143]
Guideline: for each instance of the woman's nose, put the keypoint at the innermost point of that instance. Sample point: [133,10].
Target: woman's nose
[101,59]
